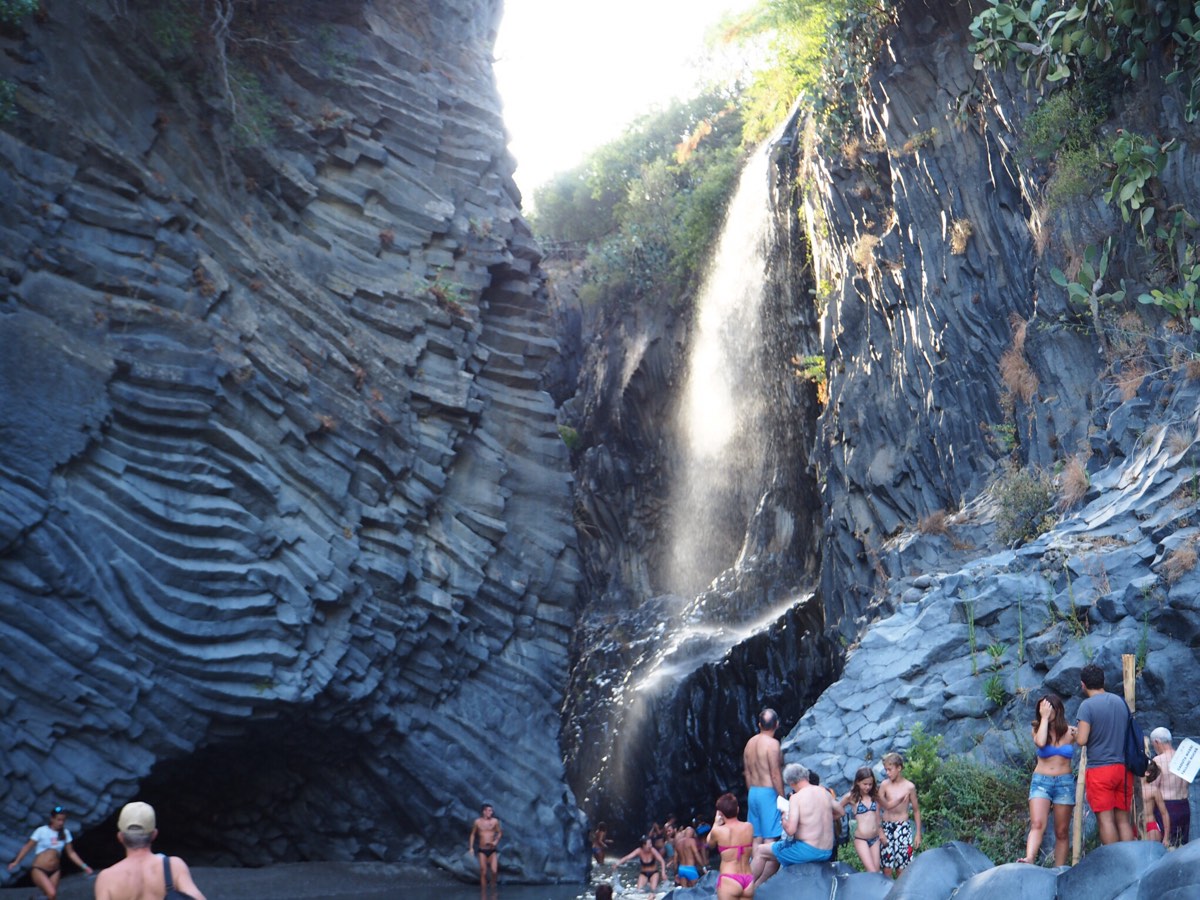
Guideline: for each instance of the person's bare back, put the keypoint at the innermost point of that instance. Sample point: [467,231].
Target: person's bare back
[140,877]
[810,812]
[762,762]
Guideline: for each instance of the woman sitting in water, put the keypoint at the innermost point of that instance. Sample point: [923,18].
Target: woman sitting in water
[49,842]
[1052,783]
[734,839]
[651,861]
[864,797]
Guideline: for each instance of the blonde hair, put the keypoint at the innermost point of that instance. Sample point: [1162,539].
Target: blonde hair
[894,759]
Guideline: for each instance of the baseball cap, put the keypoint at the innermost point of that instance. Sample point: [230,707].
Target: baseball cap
[136,816]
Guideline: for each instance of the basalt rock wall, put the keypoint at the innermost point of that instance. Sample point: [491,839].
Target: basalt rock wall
[929,241]
[286,543]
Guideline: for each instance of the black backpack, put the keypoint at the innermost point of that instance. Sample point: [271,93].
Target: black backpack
[1136,758]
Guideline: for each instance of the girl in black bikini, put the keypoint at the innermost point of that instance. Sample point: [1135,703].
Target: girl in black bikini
[651,862]
[864,796]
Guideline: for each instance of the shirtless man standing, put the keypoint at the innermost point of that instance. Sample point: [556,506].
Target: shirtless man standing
[808,826]
[762,764]
[488,829]
[140,875]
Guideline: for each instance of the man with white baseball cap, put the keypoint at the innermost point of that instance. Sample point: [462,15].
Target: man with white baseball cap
[142,874]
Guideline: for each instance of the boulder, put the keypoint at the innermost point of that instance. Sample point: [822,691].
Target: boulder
[936,874]
[1107,871]
[1174,876]
[1012,881]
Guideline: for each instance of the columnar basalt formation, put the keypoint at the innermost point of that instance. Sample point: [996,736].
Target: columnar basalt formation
[286,541]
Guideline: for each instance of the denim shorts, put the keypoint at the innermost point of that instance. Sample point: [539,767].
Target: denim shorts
[1058,789]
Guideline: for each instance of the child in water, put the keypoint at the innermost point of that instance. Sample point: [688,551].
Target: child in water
[864,797]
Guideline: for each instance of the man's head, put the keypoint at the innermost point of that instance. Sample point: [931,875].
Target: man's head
[486,810]
[1161,735]
[794,773]
[893,764]
[1092,677]
[137,824]
[768,720]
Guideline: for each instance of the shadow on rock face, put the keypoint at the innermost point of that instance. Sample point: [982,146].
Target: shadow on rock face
[1012,881]
[1107,871]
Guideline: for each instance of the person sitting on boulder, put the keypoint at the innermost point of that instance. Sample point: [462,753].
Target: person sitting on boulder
[901,836]
[807,827]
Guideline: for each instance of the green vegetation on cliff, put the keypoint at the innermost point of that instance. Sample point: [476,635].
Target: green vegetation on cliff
[649,204]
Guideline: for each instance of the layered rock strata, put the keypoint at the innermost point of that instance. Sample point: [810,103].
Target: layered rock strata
[286,543]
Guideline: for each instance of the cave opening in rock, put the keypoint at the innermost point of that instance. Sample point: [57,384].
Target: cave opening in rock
[280,791]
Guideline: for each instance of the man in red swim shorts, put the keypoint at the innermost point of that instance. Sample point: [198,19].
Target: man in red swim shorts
[1103,718]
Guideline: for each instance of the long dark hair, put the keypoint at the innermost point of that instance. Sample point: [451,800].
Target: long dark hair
[864,772]
[62,832]
[1059,726]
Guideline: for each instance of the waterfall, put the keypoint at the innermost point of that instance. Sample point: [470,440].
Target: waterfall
[720,416]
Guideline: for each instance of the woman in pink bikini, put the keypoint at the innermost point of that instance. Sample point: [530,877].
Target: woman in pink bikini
[734,839]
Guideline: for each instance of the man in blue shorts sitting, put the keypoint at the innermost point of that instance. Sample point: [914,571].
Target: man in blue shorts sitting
[808,826]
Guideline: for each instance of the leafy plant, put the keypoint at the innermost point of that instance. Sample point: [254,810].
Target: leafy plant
[965,800]
[994,689]
[13,11]
[1025,501]
[1066,120]
[1181,300]
[1137,161]
[996,652]
[1087,286]
[1054,42]
[812,368]
[570,437]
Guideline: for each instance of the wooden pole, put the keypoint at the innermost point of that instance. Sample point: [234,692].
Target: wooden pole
[1077,833]
[1129,676]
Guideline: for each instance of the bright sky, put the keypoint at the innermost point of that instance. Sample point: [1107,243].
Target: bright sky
[573,73]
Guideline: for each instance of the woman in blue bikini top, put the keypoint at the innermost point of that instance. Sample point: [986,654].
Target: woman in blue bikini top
[1052,785]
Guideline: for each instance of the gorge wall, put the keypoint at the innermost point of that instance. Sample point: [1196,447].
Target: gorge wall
[956,363]
[286,541]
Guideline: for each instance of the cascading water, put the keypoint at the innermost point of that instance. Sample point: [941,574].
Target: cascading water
[720,416]
[664,695]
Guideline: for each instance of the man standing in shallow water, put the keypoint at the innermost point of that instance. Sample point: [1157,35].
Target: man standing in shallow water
[762,765]
[487,828]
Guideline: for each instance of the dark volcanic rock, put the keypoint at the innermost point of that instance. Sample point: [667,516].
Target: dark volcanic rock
[285,543]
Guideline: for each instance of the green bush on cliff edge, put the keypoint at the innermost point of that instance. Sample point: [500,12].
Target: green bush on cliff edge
[12,11]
